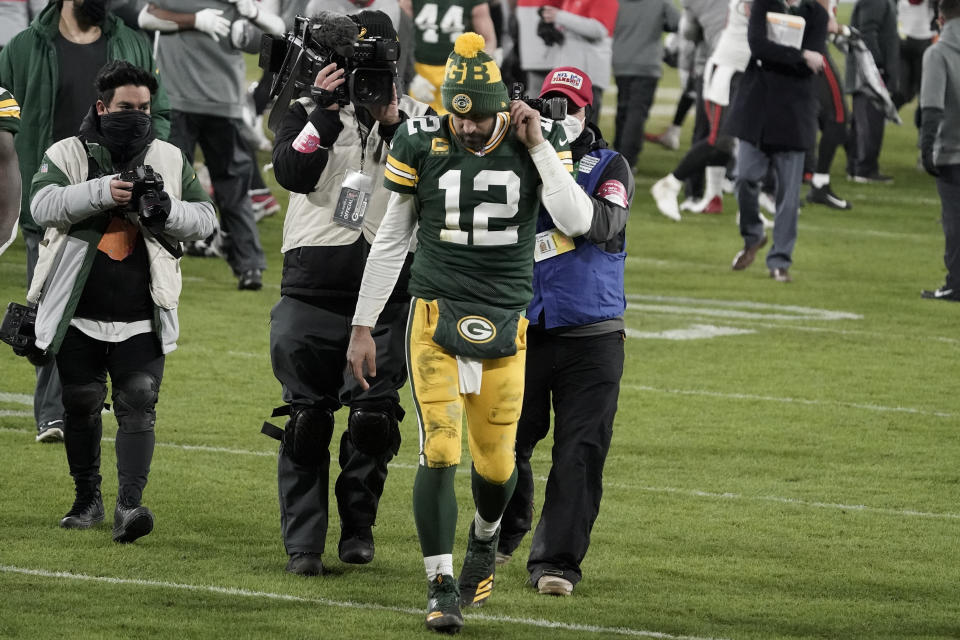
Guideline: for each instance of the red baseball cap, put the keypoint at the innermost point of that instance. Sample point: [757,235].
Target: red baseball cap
[571,82]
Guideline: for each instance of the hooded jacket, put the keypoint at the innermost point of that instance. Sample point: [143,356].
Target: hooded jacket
[29,69]
[940,89]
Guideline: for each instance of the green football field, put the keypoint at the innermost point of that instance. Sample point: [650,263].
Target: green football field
[785,461]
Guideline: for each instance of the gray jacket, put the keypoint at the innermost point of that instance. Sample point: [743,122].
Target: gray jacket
[637,39]
[877,22]
[201,75]
[940,89]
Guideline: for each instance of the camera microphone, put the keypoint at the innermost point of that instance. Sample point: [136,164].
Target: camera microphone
[335,32]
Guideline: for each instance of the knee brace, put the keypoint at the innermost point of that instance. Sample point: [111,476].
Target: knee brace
[307,434]
[82,404]
[134,399]
[373,432]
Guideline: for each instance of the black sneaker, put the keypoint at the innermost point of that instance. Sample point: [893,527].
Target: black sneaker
[51,431]
[825,195]
[305,564]
[131,522]
[356,545]
[943,293]
[443,605]
[479,566]
[87,510]
[873,178]
[250,280]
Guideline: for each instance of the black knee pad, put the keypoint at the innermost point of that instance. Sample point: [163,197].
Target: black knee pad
[82,404]
[134,399]
[373,432]
[307,435]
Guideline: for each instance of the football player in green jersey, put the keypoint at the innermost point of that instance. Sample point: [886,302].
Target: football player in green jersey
[9,169]
[471,182]
[437,25]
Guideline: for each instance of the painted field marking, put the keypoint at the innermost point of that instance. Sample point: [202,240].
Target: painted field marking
[788,400]
[17,398]
[340,604]
[693,332]
[696,493]
[747,309]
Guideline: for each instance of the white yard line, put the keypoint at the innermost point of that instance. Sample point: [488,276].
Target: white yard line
[696,493]
[17,398]
[339,604]
[788,400]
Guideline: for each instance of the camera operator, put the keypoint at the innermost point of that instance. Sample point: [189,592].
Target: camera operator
[322,147]
[107,289]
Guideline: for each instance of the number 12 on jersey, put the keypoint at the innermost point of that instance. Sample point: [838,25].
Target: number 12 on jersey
[482,212]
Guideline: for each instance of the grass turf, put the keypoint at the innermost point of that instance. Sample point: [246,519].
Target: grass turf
[796,478]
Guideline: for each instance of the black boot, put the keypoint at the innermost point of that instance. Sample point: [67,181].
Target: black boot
[87,510]
[356,545]
[131,522]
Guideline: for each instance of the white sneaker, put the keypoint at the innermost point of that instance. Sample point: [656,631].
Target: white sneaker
[767,223]
[767,202]
[503,558]
[665,192]
[554,586]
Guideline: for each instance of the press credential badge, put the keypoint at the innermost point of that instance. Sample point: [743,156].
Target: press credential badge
[354,198]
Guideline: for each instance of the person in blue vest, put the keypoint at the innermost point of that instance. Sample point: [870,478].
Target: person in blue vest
[575,354]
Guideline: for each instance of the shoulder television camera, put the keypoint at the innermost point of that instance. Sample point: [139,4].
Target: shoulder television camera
[369,64]
[551,108]
[147,202]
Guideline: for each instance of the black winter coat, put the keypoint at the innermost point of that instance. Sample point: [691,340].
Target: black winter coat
[775,107]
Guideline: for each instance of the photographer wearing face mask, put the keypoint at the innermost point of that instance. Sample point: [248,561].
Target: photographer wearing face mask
[574,353]
[50,68]
[107,285]
[331,157]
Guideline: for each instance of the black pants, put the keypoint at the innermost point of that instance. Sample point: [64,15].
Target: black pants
[83,364]
[580,377]
[231,166]
[866,137]
[634,98]
[308,346]
[911,68]
[832,118]
[948,185]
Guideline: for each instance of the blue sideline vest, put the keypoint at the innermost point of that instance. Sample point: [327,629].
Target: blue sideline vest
[585,285]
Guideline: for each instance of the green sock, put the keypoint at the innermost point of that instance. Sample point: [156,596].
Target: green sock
[491,499]
[435,509]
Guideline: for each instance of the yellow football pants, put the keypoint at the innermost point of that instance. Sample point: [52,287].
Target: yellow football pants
[491,414]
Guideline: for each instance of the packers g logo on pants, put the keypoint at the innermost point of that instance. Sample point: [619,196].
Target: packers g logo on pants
[476,329]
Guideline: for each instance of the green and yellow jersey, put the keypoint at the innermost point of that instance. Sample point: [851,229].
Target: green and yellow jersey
[476,209]
[438,24]
[9,112]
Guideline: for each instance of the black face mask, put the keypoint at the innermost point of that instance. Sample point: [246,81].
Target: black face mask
[92,13]
[126,132]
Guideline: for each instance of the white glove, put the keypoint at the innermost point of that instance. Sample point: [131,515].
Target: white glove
[240,34]
[247,8]
[212,23]
[422,90]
